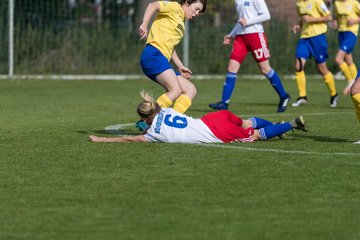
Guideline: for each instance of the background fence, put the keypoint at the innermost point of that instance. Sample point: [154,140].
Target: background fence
[100,37]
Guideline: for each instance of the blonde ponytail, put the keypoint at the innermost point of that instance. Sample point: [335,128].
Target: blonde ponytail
[148,107]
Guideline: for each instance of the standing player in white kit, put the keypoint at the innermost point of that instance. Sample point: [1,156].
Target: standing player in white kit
[248,36]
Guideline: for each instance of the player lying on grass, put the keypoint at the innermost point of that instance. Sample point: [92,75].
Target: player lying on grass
[168,125]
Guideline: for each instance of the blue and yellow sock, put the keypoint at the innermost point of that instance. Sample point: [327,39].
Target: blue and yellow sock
[356,100]
[164,101]
[353,70]
[301,83]
[330,83]
[346,71]
[229,86]
[182,103]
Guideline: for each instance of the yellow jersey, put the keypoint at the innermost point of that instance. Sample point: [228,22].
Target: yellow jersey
[344,11]
[313,8]
[168,28]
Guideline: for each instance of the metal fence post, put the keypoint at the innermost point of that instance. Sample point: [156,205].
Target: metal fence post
[11,38]
[186,53]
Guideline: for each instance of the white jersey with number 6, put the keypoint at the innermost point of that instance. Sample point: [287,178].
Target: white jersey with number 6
[172,126]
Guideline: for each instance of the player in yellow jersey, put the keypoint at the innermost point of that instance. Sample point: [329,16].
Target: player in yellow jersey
[314,16]
[166,32]
[355,97]
[347,18]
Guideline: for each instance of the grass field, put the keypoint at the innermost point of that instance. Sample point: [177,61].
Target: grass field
[56,184]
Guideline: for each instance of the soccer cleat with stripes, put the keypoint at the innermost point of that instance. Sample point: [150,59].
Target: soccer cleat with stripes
[299,124]
[283,103]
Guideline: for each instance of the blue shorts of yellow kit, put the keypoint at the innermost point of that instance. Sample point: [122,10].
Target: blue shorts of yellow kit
[315,47]
[153,62]
[347,41]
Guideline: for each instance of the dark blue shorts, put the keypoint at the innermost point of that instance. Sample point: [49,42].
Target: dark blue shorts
[347,41]
[153,62]
[313,47]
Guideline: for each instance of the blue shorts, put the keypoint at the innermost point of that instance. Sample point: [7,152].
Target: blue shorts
[153,62]
[313,47]
[347,41]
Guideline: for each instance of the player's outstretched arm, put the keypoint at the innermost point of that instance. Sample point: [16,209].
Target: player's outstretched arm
[139,138]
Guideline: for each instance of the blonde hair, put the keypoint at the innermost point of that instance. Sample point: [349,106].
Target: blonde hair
[148,107]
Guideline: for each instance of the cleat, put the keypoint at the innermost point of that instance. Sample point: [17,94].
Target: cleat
[300,101]
[219,106]
[299,124]
[141,125]
[333,100]
[284,135]
[358,142]
[283,103]
[346,90]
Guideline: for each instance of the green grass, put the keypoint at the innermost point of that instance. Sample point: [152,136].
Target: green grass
[55,184]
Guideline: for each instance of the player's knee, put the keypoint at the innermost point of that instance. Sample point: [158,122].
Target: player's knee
[265,70]
[299,65]
[246,123]
[355,88]
[190,91]
[339,60]
[175,92]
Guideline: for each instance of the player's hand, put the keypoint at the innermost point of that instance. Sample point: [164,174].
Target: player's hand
[307,18]
[94,138]
[143,32]
[295,28]
[351,21]
[227,40]
[334,24]
[185,72]
[242,21]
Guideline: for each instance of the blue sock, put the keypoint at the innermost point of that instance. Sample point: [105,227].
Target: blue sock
[276,83]
[274,130]
[259,122]
[229,86]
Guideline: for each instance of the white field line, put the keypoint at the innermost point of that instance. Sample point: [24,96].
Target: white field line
[253,149]
[302,114]
[117,129]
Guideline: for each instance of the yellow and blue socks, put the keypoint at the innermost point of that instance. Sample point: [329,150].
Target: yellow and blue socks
[330,83]
[356,100]
[182,103]
[353,70]
[346,71]
[301,83]
[229,86]
[276,83]
[164,101]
